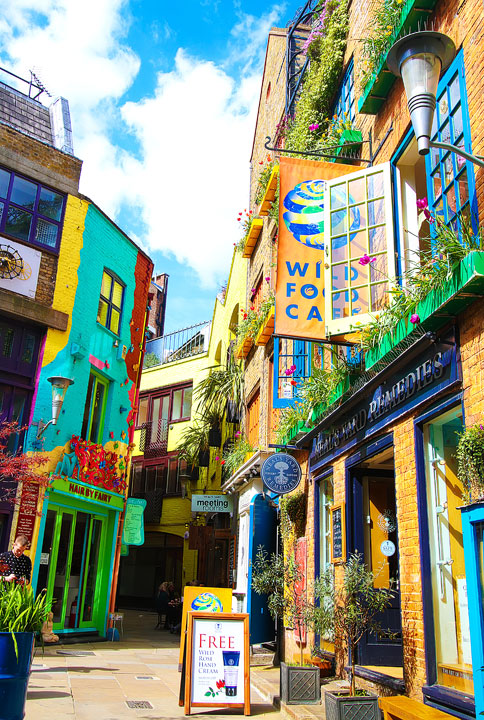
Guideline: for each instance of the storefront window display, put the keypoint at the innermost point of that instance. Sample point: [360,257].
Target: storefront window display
[449,590]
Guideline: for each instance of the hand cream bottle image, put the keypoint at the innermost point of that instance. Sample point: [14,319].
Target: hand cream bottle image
[231,669]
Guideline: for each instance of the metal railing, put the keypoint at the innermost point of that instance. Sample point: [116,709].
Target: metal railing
[177,345]
[154,438]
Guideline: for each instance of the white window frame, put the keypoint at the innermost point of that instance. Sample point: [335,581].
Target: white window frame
[353,323]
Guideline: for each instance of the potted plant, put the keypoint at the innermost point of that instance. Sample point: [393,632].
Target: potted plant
[277,577]
[21,616]
[352,608]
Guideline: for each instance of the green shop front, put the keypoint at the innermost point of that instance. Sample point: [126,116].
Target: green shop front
[75,553]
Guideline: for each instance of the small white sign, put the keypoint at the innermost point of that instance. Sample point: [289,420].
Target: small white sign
[212,503]
[388,548]
[21,265]
[44,558]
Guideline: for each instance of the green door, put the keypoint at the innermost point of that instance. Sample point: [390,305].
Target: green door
[71,549]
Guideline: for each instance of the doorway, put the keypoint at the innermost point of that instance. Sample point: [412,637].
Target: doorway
[373,533]
[70,564]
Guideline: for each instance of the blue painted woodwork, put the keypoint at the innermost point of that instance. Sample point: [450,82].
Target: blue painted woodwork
[262,531]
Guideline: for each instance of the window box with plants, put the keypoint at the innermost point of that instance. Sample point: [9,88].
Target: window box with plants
[266,328]
[390,20]
[252,236]
[266,189]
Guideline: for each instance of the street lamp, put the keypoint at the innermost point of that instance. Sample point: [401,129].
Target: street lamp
[419,59]
[59,389]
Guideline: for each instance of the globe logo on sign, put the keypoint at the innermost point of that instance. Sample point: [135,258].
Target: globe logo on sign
[281,473]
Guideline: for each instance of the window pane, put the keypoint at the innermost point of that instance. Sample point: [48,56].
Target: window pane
[359,273]
[338,196]
[18,223]
[375,186]
[4,181]
[356,190]
[176,407]
[463,188]
[172,484]
[106,286]
[341,306]
[87,408]
[95,434]
[23,193]
[357,217]
[187,402]
[359,301]
[28,348]
[358,244]
[114,323]
[50,204]
[338,222]
[117,294]
[376,212]
[143,410]
[437,182]
[457,123]
[379,269]
[378,241]
[379,296]
[443,107]
[454,90]
[46,233]
[339,248]
[102,313]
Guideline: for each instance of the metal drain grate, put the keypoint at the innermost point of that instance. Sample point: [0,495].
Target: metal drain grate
[75,653]
[139,704]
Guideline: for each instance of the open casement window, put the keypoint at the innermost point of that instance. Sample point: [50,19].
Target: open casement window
[298,354]
[359,247]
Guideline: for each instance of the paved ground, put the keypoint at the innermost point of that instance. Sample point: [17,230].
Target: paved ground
[143,666]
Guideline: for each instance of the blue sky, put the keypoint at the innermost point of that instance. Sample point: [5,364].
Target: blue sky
[163,98]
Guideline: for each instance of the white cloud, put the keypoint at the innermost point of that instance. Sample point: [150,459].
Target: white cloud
[189,176]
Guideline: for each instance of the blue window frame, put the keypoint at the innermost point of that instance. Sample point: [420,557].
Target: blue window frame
[110,302]
[450,178]
[301,355]
[345,99]
[29,211]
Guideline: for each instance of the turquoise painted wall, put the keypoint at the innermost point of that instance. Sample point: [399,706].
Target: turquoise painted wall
[103,246]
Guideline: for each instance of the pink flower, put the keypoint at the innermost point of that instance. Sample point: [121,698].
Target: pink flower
[314,126]
[366,259]
[252,291]
[414,319]
[422,203]
[290,370]
[267,279]
[238,433]
[428,216]
[217,458]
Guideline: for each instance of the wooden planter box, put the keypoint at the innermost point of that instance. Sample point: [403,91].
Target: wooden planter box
[300,685]
[375,93]
[357,707]
[265,333]
[270,192]
[252,237]
[244,348]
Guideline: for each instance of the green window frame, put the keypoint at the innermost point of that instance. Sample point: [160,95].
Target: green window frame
[110,302]
[95,408]
[359,247]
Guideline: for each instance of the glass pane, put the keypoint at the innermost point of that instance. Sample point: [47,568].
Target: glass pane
[114,322]
[2,205]
[338,196]
[4,181]
[87,408]
[23,193]
[445,133]
[338,222]
[379,269]
[379,296]
[339,248]
[90,588]
[46,233]
[95,434]
[443,107]
[436,179]
[356,190]
[463,188]
[448,169]
[102,312]
[454,91]
[187,402]
[143,410]
[155,411]
[341,305]
[46,549]
[457,123]
[60,589]
[451,199]
[78,549]
[359,273]
[375,186]
[357,217]
[176,408]
[434,157]
[8,337]
[359,301]
[378,241]
[117,298]
[358,244]
[150,479]
[18,223]
[376,212]
[106,286]
[165,405]
[50,204]
[339,277]
[28,348]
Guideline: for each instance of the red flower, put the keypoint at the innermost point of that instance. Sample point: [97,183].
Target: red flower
[220,684]
[245,316]
[293,382]
[239,219]
[222,463]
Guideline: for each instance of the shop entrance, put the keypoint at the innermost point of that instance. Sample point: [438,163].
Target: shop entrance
[374,534]
[69,566]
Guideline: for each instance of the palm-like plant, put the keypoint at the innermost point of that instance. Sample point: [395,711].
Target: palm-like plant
[223,385]
[193,441]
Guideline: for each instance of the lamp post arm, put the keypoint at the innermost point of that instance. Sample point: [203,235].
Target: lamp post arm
[42,427]
[476,159]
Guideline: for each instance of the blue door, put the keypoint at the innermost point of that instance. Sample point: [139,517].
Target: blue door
[262,531]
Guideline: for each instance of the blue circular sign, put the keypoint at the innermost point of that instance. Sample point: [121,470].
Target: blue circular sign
[281,473]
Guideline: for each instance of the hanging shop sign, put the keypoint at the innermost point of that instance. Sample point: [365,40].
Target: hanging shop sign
[212,503]
[87,492]
[19,268]
[28,510]
[431,372]
[300,255]
[281,473]
[133,528]
[218,661]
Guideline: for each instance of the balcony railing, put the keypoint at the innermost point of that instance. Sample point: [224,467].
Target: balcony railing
[177,345]
[154,438]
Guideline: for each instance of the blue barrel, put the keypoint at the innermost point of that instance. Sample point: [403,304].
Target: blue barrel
[14,673]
